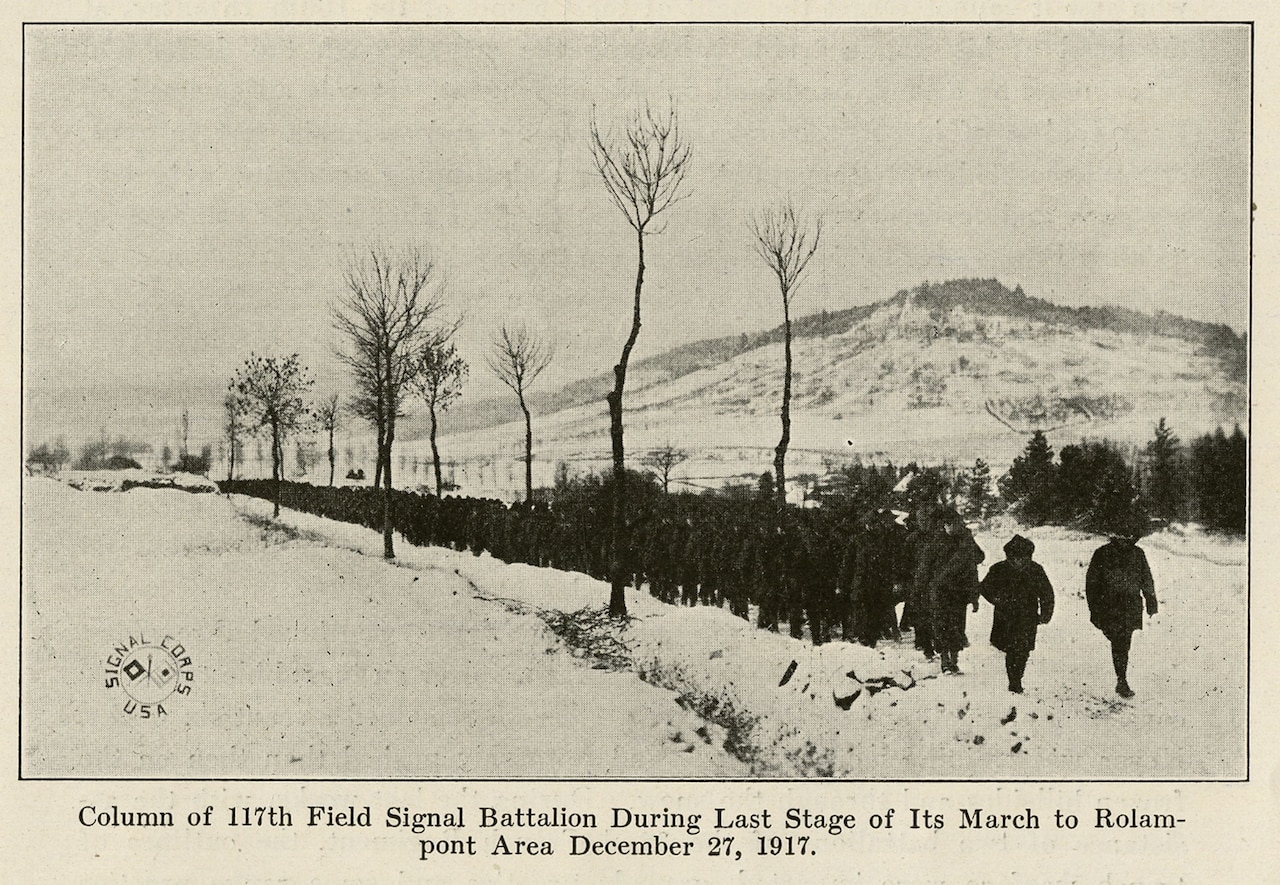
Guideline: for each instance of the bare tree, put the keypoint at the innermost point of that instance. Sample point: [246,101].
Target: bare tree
[272,390]
[664,460]
[786,242]
[327,416]
[644,176]
[384,315]
[518,358]
[233,424]
[438,380]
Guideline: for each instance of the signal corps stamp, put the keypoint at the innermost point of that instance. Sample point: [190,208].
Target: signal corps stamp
[149,673]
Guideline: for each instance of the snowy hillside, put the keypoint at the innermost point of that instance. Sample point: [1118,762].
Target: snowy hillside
[315,658]
[919,377]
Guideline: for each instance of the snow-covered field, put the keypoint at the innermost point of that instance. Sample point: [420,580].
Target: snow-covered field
[315,658]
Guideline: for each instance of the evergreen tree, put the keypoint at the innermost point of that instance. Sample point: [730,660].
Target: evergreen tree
[1029,484]
[928,488]
[1220,477]
[1095,489]
[978,491]
[1235,482]
[61,454]
[765,485]
[41,457]
[1165,485]
[861,488]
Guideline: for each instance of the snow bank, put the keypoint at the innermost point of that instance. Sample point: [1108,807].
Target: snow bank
[131,478]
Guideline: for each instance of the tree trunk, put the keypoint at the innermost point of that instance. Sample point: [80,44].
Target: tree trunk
[435,453]
[276,466]
[528,449]
[332,457]
[388,547]
[780,453]
[617,595]
[231,461]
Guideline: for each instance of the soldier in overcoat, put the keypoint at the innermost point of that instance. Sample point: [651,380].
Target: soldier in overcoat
[817,575]
[883,566]
[946,582]
[1116,586]
[1023,598]
[734,561]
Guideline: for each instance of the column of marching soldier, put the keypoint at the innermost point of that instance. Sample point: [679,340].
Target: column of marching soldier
[828,571]
[834,573]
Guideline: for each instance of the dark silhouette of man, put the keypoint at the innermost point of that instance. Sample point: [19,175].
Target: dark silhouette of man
[1116,586]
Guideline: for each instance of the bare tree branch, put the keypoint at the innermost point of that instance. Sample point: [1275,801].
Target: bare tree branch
[663,461]
[517,359]
[384,315]
[437,379]
[645,176]
[271,392]
[786,242]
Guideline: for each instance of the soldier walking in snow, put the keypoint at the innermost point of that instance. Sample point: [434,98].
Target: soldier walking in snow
[736,556]
[885,565]
[946,582]
[1023,599]
[1116,585]
[914,614]
[817,576]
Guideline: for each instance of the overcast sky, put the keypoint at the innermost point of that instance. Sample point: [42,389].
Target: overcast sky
[193,193]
